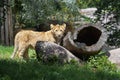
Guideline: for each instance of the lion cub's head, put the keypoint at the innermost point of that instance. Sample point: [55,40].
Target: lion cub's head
[58,30]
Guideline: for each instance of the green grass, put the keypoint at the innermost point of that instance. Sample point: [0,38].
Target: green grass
[33,70]
[5,52]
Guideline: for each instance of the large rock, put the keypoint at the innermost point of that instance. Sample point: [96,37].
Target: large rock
[114,56]
[48,50]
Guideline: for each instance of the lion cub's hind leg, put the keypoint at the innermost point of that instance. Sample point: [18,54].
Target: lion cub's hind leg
[23,51]
[15,51]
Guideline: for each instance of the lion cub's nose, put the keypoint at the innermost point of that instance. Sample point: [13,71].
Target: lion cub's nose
[59,35]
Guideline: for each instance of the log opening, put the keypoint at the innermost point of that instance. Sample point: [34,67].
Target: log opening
[88,35]
[86,40]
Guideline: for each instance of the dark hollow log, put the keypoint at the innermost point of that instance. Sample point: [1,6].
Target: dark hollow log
[46,51]
[86,40]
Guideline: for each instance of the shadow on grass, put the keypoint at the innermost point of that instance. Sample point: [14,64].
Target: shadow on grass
[33,70]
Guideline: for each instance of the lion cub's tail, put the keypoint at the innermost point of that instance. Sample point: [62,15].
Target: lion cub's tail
[15,50]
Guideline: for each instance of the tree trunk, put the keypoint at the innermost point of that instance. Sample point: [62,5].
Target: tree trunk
[10,25]
[2,28]
[85,40]
[6,25]
[6,28]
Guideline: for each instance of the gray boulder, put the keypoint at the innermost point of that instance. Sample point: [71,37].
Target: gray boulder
[114,56]
[48,51]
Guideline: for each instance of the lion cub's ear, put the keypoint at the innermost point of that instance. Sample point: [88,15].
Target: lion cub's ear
[64,25]
[51,26]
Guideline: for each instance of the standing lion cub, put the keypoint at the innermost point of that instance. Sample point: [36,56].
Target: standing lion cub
[28,38]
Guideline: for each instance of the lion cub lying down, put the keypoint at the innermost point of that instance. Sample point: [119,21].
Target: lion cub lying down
[28,38]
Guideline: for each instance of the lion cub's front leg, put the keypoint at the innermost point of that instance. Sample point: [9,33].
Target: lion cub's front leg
[26,54]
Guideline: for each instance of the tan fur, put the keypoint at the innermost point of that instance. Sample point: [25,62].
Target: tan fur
[28,38]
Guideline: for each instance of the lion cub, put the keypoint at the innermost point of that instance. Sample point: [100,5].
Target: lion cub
[28,38]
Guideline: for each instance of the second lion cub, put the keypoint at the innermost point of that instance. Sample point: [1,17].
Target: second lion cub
[28,38]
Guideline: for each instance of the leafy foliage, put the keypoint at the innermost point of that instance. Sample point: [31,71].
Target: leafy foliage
[101,63]
[106,9]
[87,3]
[109,6]
[1,3]
[113,39]
[33,12]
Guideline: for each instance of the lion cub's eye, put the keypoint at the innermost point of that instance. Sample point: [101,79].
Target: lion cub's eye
[56,30]
[61,30]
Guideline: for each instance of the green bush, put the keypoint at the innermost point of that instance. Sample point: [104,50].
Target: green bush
[101,63]
[5,77]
